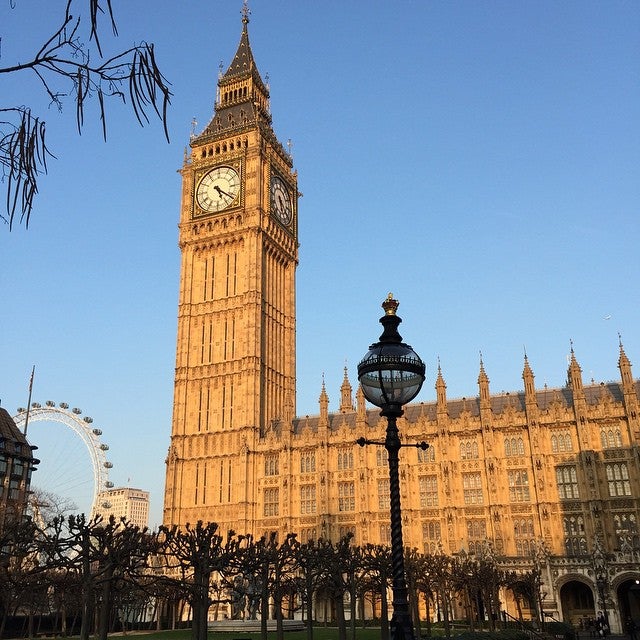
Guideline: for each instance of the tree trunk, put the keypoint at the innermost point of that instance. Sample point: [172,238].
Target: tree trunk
[277,604]
[309,607]
[342,625]
[105,606]
[384,612]
[264,608]
[352,610]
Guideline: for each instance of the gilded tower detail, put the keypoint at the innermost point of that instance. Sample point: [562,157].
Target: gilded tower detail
[235,356]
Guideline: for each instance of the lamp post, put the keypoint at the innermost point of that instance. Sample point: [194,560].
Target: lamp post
[601,583]
[391,374]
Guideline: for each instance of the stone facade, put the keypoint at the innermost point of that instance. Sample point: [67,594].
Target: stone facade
[546,478]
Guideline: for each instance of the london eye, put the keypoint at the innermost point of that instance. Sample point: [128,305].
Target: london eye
[73,464]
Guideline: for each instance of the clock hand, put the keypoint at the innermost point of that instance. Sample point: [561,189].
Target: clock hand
[221,192]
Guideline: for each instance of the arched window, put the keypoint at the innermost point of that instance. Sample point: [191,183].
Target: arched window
[308,462]
[427,455]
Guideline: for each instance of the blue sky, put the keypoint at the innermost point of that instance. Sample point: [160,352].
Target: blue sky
[481,160]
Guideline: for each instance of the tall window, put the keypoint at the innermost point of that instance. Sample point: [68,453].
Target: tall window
[618,479]
[476,535]
[307,534]
[427,455]
[610,438]
[523,536]
[626,528]
[385,534]
[513,447]
[307,499]
[567,479]
[345,458]
[271,502]
[346,496]
[561,442]
[384,499]
[431,535]
[575,541]
[472,488]
[428,486]
[468,450]
[14,489]
[381,457]
[271,465]
[308,462]
[518,486]
[345,530]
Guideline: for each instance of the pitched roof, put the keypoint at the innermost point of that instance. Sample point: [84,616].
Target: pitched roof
[12,436]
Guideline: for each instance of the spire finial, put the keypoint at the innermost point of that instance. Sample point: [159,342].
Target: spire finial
[619,339]
[246,12]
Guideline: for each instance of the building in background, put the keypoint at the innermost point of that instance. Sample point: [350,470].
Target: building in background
[125,502]
[16,466]
[545,479]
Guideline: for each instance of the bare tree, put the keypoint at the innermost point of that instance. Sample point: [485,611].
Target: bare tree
[376,564]
[193,554]
[311,562]
[68,67]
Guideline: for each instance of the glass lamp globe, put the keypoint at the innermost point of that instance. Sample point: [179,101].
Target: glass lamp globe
[391,372]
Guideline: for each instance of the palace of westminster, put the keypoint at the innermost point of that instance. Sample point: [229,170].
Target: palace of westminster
[544,477]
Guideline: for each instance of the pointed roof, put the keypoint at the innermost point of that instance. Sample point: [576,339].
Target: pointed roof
[243,61]
[483,378]
[243,97]
[623,360]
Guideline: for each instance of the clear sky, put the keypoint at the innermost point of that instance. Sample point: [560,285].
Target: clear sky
[479,159]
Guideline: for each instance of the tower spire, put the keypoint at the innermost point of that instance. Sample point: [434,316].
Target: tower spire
[346,397]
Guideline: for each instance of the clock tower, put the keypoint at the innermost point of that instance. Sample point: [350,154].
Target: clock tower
[235,355]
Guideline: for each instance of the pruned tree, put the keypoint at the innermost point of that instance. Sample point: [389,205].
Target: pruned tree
[196,553]
[72,65]
[336,578]
[377,567]
[311,563]
[18,553]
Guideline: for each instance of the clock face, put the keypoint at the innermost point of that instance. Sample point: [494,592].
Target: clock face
[280,201]
[218,189]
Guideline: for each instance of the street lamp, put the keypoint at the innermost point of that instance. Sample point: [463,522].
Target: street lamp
[602,583]
[391,374]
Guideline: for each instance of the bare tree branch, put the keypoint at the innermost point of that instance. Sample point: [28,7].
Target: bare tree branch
[64,68]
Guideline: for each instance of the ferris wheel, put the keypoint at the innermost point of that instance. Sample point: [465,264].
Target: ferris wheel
[66,471]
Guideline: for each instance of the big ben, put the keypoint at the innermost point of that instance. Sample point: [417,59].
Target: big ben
[235,355]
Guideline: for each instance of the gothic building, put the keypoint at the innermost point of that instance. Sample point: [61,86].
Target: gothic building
[17,463]
[541,477]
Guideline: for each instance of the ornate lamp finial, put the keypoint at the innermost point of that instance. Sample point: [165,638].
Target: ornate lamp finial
[390,305]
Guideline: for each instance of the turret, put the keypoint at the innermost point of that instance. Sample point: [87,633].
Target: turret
[529,387]
[441,394]
[574,381]
[346,397]
[631,405]
[361,405]
[483,384]
[324,406]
